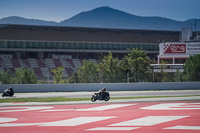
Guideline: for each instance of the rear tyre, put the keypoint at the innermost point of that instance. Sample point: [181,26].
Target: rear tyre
[107,98]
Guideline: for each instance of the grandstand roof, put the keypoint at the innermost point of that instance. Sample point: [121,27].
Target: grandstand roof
[58,33]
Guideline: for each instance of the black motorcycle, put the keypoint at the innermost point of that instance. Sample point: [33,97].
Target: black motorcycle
[8,94]
[105,96]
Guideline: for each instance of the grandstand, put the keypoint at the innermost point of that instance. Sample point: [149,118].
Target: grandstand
[42,48]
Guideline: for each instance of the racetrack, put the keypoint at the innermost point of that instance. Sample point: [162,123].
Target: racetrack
[142,117]
[169,115]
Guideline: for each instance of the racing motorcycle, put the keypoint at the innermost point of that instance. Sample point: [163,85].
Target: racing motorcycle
[8,92]
[105,96]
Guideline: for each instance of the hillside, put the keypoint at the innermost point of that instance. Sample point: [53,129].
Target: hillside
[21,20]
[106,17]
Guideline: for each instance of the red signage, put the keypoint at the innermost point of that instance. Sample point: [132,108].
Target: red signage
[174,48]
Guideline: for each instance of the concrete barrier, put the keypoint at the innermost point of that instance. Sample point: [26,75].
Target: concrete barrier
[96,86]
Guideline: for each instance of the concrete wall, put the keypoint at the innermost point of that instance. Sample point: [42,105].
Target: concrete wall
[96,86]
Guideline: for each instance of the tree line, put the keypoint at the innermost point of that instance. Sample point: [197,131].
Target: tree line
[133,67]
[21,76]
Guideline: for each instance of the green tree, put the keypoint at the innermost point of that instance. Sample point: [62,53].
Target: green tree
[164,76]
[125,67]
[87,73]
[192,68]
[109,68]
[24,76]
[58,75]
[137,64]
[177,76]
[5,77]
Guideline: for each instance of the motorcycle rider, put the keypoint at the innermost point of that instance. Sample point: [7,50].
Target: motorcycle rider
[9,91]
[101,91]
[102,94]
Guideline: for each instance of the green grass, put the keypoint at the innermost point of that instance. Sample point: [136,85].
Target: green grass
[51,99]
[63,99]
[152,97]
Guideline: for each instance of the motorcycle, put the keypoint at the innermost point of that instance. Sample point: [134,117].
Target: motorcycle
[105,96]
[9,94]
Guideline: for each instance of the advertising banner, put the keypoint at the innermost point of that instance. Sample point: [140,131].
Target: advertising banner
[193,48]
[180,48]
[174,48]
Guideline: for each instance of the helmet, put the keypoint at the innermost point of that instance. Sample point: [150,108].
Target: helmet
[104,89]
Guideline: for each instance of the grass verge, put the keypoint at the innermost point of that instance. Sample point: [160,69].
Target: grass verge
[63,99]
[50,99]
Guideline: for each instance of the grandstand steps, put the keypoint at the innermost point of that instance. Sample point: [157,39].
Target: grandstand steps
[12,70]
[2,64]
[93,60]
[45,72]
[26,62]
[16,63]
[1,69]
[70,62]
[7,63]
[33,63]
[50,63]
[41,63]
[22,64]
[65,63]
[38,72]
[77,63]
[69,71]
[42,67]
[57,63]
[65,74]
[81,61]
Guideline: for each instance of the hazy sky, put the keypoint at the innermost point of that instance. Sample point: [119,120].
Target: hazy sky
[58,10]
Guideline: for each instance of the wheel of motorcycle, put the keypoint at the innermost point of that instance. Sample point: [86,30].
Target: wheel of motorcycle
[2,95]
[93,99]
[107,98]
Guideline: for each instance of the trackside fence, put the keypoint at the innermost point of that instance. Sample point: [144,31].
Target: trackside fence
[23,88]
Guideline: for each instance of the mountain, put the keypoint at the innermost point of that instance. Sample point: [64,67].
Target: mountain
[21,20]
[106,17]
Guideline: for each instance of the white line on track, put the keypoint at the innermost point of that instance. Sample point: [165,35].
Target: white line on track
[173,106]
[106,107]
[184,127]
[3,120]
[148,121]
[68,122]
[113,128]
[55,110]
[76,121]
[25,108]
[99,108]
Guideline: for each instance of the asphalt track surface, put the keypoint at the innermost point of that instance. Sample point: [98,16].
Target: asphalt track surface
[147,115]
[113,94]
[137,117]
